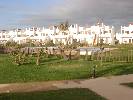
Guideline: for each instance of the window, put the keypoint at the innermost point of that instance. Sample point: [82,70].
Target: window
[129,40]
[127,32]
[19,36]
[72,26]
[122,31]
[36,34]
[105,32]
[3,36]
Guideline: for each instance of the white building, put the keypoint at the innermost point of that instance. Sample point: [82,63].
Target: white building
[4,36]
[126,35]
[104,32]
[90,35]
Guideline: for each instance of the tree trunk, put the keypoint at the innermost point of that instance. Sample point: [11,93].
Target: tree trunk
[70,56]
[38,58]
[86,56]
[63,54]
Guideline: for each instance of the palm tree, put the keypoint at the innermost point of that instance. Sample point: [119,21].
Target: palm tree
[63,27]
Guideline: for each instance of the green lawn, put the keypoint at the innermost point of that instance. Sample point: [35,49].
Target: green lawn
[128,84]
[67,94]
[58,69]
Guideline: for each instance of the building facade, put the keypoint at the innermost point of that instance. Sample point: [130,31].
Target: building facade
[126,34]
[90,34]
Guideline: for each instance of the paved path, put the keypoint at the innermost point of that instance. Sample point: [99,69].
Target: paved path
[109,87]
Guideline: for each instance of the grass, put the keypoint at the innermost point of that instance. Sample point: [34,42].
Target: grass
[67,94]
[128,84]
[58,69]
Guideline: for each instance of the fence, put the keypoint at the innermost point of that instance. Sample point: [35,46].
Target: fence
[114,56]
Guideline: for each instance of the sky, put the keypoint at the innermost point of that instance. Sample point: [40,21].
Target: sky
[29,13]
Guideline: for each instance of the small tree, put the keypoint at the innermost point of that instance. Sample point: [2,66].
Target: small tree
[17,55]
[70,47]
[39,53]
[49,43]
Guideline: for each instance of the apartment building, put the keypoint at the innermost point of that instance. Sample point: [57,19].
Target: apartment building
[90,34]
[126,34]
